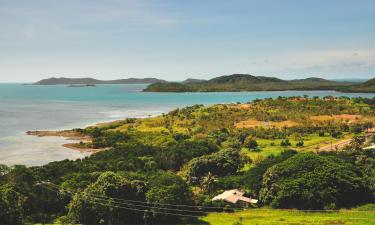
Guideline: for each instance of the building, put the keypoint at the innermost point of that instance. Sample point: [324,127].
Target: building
[235,196]
[370,130]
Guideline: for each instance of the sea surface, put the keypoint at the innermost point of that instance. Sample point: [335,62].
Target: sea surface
[34,107]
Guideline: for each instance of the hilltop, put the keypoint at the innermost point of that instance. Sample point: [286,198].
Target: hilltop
[246,82]
[88,80]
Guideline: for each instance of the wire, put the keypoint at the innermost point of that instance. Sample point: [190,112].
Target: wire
[133,209]
[132,204]
[163,204]
[233,217]
[119,200]
[137,205]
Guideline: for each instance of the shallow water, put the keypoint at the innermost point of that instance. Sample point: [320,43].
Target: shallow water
[31,107]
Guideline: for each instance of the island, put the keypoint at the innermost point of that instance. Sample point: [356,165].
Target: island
[91,81]
[246,82]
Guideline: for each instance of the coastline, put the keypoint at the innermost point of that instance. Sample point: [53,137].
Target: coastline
[79,139]
[70,135]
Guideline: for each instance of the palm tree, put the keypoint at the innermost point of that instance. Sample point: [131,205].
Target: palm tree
[208,182]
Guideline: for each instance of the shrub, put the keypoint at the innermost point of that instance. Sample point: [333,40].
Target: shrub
[310,181]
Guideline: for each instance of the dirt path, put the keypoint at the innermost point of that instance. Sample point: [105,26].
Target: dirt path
[336,146]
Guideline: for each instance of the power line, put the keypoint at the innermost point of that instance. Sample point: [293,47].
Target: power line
[133,204]
[194,216]
[150,203]
[119,200]
[134,209]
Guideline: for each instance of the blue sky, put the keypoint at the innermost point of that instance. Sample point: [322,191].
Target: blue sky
[174,40]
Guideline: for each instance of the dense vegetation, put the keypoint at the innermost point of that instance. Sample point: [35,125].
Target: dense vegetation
[154,168]
[244,82]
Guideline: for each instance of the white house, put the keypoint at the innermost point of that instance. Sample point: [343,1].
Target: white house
[235,196]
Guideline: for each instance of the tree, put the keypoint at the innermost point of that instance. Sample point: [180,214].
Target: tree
[11,210]
[222,163]
[208,182]
[285,143]
[300,143]
[91,206]
[167,188]
[252,178]
[250,143]
[310,181]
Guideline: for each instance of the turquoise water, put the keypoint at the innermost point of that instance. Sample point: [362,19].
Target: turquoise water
[30,107]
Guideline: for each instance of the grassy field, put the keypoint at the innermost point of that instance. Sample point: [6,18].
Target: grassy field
[275,217]
[311,143]
[268,217]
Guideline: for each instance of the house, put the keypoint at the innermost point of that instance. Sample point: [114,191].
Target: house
[370,130]
[235,196]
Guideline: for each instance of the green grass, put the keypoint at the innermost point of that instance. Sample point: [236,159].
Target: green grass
[268,217]
[293,217]
[311,143]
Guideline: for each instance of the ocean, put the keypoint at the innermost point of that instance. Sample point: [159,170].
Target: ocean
[35,107]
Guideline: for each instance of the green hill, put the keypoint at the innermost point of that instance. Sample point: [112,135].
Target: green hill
[168,87]
[368,86]
[246,82]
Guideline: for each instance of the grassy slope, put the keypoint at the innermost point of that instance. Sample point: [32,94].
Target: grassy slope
[295,217]
[273,217]
[268,217]
[209,117]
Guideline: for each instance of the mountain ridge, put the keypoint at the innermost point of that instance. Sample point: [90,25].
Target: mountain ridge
[247,82]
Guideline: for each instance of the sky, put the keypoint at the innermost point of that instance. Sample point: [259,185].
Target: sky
[175,39]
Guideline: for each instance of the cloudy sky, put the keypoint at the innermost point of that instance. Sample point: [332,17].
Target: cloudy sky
[173,39]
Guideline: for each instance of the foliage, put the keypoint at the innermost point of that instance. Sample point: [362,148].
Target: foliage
[190,154]
[11,206]
[86,208]
[222,163]
[310,181]
[167,188]
[250,143]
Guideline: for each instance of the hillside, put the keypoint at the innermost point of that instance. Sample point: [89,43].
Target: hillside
[368,86]
[246,82]
[154,168]
[88,80]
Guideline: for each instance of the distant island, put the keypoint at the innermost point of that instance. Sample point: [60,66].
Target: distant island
[246,82]
[92,81]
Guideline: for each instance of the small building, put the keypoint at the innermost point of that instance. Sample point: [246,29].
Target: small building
[370,130]
[235,196]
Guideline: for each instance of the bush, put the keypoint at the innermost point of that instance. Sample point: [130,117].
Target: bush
[300,144]
[222,163]
[285,143]
[251,143]
[310,181]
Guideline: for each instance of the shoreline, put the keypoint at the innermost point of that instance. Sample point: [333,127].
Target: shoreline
[72,135]
[69,135]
